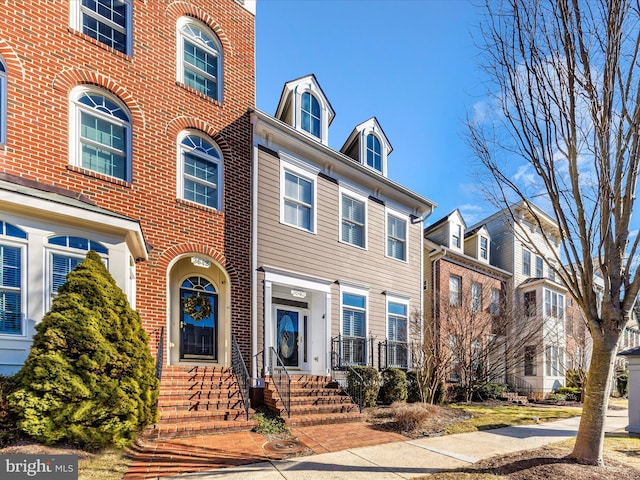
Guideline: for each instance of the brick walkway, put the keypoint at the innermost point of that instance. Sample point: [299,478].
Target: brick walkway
[208,452]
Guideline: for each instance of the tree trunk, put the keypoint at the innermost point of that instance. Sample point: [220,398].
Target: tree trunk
[590,439]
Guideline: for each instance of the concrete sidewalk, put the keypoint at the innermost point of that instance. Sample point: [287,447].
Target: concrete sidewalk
[412,458]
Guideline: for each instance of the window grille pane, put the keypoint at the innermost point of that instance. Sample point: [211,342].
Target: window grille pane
[11,261]
[204,85]
[106,21]
[10,313]
[12,230]
[61,265]
[200,193]
[352,323]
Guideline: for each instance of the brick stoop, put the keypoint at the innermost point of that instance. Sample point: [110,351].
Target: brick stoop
[198,400]
[515,398]
[315,400]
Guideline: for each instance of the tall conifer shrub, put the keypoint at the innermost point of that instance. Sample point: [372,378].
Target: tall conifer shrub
[90,377]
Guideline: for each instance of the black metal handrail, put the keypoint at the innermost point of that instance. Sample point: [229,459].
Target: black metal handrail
[281,379]
[242,375]
[341,372]
[393,355]
[520,386]
[159,351]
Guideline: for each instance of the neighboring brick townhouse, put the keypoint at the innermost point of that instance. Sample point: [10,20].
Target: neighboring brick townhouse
[124,129]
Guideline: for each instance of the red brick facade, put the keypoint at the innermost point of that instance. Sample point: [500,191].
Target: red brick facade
[45,59]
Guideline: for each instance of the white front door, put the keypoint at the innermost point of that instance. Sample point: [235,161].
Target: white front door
[291,343]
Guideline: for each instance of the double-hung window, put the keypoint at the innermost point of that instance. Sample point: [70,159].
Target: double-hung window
[354,317]
[526,262]
[484,248]
[65,253]
[201,163]
[455,290]
[374,153]
[297,200]
[397,351]
[554,361]
[553,304]
[456,240]
[310,114]
[539,267]
[100,133]
[11,279]
[3,102]
[396,237]
[108,21]
[530,360]
[353,225]
[476,297]
[199,58]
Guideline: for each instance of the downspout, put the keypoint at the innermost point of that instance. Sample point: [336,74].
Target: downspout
[254,252]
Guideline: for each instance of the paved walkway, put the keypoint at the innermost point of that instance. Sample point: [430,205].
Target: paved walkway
[380,459]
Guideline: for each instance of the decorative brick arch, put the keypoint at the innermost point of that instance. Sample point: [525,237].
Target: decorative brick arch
[177,125]
[11,60]
[171,253]
[181,8]
[68,78]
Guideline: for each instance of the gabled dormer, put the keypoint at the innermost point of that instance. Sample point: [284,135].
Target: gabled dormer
[304,106]
[448,231]
[369,146]
[477,243]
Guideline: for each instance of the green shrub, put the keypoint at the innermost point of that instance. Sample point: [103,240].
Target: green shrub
[8,428]
[394,386]
[371,386]
[572,394]
[269,423]
[413,387]
[89,378]
[575,377]
[489,391]
[556,397]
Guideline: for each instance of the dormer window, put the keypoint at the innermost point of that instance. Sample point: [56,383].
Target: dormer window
[310,114]
[484,248]
[456,239]
[374,152]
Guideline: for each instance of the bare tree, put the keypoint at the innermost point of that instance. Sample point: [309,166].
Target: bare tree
[566,131]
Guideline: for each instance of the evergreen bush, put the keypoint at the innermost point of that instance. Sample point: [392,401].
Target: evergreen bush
[371,380]
[8,428]
[394,386]
[489,391]
[413,387]
[89,378]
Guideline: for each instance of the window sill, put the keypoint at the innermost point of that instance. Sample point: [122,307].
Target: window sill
[104,46]
[188,203]
[100,176]
[199,94]
[298,228]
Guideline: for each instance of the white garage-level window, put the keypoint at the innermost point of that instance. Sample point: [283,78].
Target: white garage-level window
[100,136]
[11,279]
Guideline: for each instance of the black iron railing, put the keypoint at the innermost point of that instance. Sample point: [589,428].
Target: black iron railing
[347,351]
[280,378]
[159,333]
[350,381]
[241,373]
[393,355]
[518,385]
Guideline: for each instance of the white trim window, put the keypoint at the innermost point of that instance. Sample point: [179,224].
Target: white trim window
[200,170]
[526,262]
[108,21]
[297,199]
[455,290]
[199,58]
[353,215]
[12,278]
[456,236]
[353,340]
[397,236]
[476,297]
[100,133]
[554,361]
[3,102]
[65,252]
[310,114]
[374,153]
[397,354]
[539,267]
[553,304]
[484,248]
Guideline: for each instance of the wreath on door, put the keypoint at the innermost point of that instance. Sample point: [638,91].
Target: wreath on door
[197,306]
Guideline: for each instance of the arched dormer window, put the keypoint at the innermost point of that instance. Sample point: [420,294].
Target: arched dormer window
[100,136]
[200,167]
[374,153]
[310,114]
[3,102]
[199,58]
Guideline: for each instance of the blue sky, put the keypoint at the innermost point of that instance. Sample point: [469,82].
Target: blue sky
[410,63]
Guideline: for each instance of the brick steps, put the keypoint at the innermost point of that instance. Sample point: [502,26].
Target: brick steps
[198,400]
[515,398]
[315,400]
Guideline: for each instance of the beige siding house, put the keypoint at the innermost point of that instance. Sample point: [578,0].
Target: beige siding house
[337,245]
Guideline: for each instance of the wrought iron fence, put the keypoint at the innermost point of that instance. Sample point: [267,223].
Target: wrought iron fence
[241,373]
[347,351]
[393,355]
[281,379]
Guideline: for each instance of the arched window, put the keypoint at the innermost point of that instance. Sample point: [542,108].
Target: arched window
[66,252]
[374,152]
[100,133]
[310,114]
[201,166]
[3,102]
[11,279]
[199,58]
